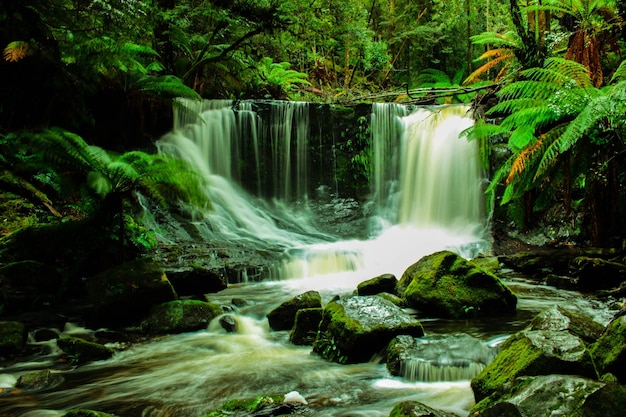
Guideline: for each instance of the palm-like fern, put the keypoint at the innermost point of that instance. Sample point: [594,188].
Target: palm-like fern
[501,57]
[278,79]
[548,114]
[114,178]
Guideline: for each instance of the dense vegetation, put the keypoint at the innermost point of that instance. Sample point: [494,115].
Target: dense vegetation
[79,77]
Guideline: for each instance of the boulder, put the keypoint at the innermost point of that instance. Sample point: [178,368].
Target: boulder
[438,358]
[38,380]
[194,280]
[383,283]
[82,351]
[597,274]
[12,337]
[305,326]
[283,317]
[358,327]
[531,353]
[261,406]
[557,318]
[416,409]
[609,352]
[125,294]
[87,413]
[556,395]
[27,283]
[444,284]
[180,316]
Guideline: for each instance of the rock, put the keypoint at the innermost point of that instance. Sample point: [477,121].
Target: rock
[283,317]
[597,274]
[417,409]
[438,358]
[87,413]
[446,285]
[37,380]
[27,283]
[229,323]
[262,406]
[82,351]
[557,318]
[180,316]
[556,395]
[531,353]
[562,282]
[125,294]
[193,280]
[12,337]
[488,263]
[609,352]
[358,327]
[552,260]
[305,326]
[383,283]
[43,335]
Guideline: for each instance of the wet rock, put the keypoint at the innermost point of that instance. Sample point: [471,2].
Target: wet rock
[43,335]
[283,317]
[180,316]
[12,337]
[192,280]
[82,351]
[417,409]
[438,358]
[446,285]
[305,326]
[228,323]
[551,260]
[27,283]
[562,281]
[37,380]
[488,263]
[609,352]
[262,406]
[557,318]
[356,328]
[531,353]
[556,395]
[383,283]
[125,294]
[597,273]
[87,413]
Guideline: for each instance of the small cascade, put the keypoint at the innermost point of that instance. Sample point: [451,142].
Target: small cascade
[445,358]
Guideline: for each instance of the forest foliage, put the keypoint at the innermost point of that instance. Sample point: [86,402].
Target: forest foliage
[106,70]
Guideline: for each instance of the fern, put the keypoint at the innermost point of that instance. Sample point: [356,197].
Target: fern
[166,86]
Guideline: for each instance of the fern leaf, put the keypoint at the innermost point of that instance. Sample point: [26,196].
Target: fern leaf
[17,50]
[522,160]
[620,73]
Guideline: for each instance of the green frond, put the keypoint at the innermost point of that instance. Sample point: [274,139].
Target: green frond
[521,137]
[513,105]
[165,86]
[540,90]
[507,39]
[99,183]
[533,118]
[620,73]
[482,130]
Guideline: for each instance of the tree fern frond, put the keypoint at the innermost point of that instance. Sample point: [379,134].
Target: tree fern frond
[521,137]
[507,39]
[529,89]
[165,86]
[498,56]
[620,73]
[482,130]
[522,160]
[18,50]
[514,105]
[532,117]
[569,69]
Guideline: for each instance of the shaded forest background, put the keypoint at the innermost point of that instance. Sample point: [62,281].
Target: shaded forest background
[87,87]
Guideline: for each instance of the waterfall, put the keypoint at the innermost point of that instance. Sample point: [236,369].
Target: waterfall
[426,186]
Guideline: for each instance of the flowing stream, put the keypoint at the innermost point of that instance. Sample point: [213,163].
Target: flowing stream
[427,193]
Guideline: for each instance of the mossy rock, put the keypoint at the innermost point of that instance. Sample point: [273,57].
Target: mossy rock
[283,317]
[382,283]
[180,316]
[87,413]
[609,352]
[264,405]
[125,294]
[417,409]
[555,395]
[446,285]
[37,380]
[530,353]
[356,328]
[82,351]
[558,318]
[305,326]
[12,337]
[27,283]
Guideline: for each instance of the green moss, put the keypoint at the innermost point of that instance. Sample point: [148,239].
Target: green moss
[87,413]
[247,405]
[12,337]
[609,352]
[180,316]
[82,351]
